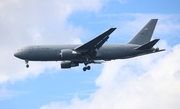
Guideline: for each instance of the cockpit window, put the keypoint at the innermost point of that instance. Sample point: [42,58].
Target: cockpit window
[20,49]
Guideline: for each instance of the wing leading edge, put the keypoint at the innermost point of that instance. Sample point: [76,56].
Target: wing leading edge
[95,43]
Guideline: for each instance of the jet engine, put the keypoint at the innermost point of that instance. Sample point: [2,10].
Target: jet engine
[68,64]
[68,53]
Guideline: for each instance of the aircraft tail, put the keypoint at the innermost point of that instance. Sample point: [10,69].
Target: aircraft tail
[145,34]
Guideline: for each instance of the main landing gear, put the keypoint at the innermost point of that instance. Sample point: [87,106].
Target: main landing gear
[86,68]
[27,65]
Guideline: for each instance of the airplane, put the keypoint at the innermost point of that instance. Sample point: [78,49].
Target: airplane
[94,51]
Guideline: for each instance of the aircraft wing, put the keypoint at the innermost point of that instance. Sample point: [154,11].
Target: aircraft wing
[95,43]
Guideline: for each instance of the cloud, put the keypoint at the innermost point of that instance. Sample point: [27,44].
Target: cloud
[150,81]
[8,94]
[32,22]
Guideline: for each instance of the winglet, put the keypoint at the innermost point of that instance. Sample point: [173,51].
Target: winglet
[148,45]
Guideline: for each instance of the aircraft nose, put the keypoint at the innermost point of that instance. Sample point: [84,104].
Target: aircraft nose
[16,54]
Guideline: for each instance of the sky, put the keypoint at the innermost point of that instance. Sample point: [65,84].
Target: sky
[146,82]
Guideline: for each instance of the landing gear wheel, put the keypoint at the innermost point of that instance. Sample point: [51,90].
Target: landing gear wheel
[88,67]
[27,65]
[84,69]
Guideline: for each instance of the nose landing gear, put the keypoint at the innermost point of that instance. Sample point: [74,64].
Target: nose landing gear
[27,65]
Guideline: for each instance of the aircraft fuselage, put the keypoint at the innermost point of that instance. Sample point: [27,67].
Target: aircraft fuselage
[52,52]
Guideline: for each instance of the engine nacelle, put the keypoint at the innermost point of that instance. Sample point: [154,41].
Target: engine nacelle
[68,64]
[68,53]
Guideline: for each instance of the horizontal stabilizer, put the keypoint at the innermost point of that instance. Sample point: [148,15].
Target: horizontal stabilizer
[148,45]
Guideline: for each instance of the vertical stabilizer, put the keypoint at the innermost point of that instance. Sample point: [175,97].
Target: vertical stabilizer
[145,34]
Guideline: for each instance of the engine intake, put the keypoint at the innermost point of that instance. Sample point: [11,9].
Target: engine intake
[68,64]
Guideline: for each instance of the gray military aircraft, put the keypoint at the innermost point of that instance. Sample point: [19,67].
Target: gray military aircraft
[93,51]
